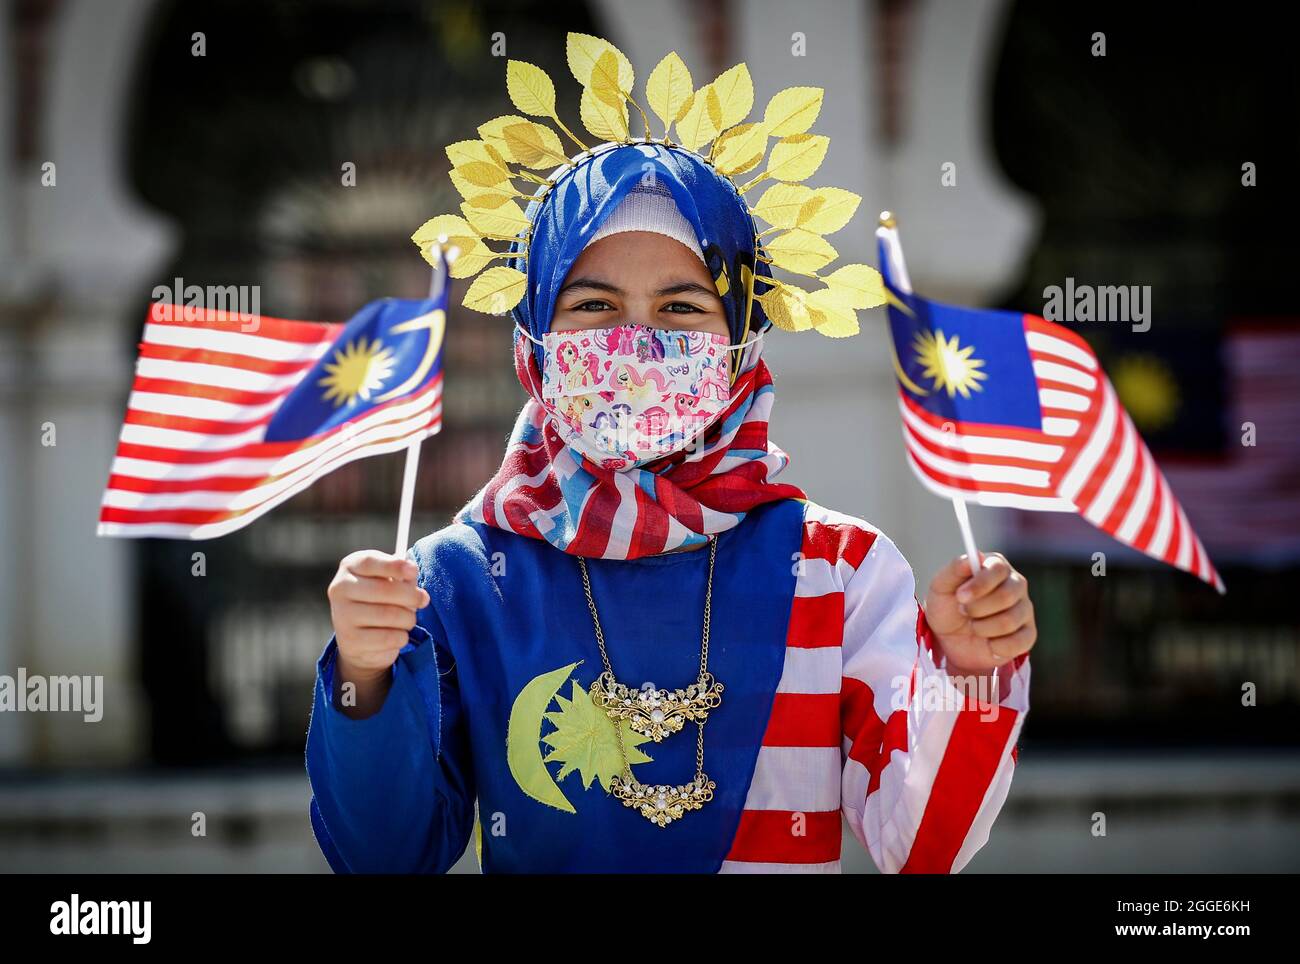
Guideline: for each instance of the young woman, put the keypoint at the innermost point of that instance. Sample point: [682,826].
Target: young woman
[633,651]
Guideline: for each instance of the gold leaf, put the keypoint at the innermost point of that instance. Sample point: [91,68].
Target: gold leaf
[605,121]
[800,251]
[524,142]
[604,80]
[496,290]
[531,89]
[793,110]
[488,200]
[456,230]
[584,52]
[504,221]
[471,260]
[858,285]
[695,127]
[797,156]
[782,204]
[669,88]
[831,209]
[468,152]
[786,307]
[735,92]
[830,316]
[740,149]
[478,193]
[484,174]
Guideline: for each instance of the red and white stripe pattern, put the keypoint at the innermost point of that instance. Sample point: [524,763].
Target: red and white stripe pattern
[856,728]
[1087,457]
[192,461]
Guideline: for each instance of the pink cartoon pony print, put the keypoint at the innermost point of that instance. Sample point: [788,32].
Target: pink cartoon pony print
[713,382]
[579,372]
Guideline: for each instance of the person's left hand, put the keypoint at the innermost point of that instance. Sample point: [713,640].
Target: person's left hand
[981,621]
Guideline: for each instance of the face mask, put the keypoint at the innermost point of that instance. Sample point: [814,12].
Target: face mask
[630,394]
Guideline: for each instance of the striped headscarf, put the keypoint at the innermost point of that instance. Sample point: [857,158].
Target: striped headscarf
[546,490]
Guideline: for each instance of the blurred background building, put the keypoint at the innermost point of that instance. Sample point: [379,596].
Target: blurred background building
[127,160]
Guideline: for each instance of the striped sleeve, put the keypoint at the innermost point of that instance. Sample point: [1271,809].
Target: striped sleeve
[926,771]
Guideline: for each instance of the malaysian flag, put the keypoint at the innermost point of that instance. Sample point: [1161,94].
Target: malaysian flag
[1007,409]
[231,415]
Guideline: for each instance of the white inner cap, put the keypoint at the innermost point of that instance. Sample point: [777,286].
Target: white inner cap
[650,209]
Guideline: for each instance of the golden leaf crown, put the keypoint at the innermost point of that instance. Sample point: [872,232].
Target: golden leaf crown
[714,116]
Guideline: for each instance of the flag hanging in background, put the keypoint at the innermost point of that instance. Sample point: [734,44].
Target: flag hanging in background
[231,415]
[1007,409]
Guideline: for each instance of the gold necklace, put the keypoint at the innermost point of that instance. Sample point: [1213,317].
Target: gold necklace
[658,714]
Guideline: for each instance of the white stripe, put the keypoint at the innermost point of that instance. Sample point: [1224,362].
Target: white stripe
[1118,476]
[1070,401]
[215,529]
[1093,449]
[820,577]
[1184,557]
[1010,500]
[811,669]
[801,779]
[172,438]
[1063,427]
[1064,373]
[624,521]
[222,376]
[254,346]
[979,471]
[1165,522]
[255,468]
[208,408]
[1049,345]
[975,444]
[761,867]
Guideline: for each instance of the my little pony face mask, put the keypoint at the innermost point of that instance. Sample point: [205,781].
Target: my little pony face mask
[629,394]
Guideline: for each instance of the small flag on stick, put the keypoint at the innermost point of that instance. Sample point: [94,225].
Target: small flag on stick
[230,415]
[1007,409]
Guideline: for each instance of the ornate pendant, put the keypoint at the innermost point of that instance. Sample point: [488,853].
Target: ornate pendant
[660,804]
[654,712]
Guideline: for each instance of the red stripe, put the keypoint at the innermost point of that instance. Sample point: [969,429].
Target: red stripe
[835,541]
[970,762]
[971,458]
[804,719]
[184,423]
[816,621]
[970,485]
[235,396]
[256,326]
[785,837]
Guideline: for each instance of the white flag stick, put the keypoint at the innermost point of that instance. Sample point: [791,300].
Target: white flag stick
[887,232]
[437,283]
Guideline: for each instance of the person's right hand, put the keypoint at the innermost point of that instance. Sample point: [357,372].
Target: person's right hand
[373,602]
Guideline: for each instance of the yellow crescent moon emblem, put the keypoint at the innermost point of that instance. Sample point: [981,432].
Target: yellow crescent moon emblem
[435,322]
[523,739]
[910,385]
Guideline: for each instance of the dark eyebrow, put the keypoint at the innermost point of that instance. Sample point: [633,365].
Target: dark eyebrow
[594,284]
[685,287]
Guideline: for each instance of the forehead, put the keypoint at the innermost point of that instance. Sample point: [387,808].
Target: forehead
[640,260]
